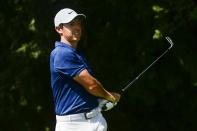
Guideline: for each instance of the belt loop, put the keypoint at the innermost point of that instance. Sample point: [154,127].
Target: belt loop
[85,115]
[69,117]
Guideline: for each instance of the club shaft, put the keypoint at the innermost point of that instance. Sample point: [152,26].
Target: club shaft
[136,78]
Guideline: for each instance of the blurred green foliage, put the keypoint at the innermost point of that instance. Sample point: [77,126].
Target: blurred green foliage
[120,39]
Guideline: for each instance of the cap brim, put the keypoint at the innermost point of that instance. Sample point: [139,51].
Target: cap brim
[78,15]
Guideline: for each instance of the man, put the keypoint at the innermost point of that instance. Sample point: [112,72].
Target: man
[75,90]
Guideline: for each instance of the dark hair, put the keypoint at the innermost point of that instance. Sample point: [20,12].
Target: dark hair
[61,25]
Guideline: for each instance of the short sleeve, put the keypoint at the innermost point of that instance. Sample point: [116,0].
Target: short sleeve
[67,63]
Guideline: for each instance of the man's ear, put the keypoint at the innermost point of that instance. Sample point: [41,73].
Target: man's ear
[59,30]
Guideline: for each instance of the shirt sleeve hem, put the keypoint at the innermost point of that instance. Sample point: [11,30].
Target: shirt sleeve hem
[78,72]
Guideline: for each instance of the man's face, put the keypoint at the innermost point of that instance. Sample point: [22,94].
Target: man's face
[72,31]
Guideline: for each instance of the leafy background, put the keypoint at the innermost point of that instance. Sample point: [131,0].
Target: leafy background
[121,38]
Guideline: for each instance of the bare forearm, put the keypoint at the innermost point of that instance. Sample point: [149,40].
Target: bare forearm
[93,86]
[97,89]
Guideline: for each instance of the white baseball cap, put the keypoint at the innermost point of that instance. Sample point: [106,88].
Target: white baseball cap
[65,16]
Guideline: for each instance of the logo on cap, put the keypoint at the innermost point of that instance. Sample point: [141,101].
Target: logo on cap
[70,12]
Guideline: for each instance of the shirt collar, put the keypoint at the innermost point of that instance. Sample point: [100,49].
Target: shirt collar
[57,43]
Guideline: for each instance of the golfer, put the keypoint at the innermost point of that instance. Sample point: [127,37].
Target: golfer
[75,90]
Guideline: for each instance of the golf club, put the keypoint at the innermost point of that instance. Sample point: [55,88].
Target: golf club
[136,78]
[107,105]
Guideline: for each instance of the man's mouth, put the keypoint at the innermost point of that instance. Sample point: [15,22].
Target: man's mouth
[76,33]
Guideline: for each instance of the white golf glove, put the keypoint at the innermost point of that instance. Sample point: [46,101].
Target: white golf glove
[105,105]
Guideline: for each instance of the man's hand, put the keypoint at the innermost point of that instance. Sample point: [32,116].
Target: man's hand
[106,105]
[116,97]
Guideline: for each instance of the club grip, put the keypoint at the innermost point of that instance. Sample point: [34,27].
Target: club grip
[107,106]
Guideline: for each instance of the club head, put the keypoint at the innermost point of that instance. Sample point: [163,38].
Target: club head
[169,41]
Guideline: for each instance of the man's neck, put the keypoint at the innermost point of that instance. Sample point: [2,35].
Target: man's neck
[72,44]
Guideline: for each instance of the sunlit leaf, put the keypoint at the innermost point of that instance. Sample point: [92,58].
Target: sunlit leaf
[23,101]
[39,108]
[47,129]
[157,34]
[22,48]
[157,8]
[36,54]
[32,25]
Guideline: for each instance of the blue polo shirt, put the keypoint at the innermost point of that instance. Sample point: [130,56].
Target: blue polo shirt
[69,96]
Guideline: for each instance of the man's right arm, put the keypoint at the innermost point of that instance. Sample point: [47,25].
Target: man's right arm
[94,87]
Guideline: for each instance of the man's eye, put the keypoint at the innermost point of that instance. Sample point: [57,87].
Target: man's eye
[74,23]
[79,23]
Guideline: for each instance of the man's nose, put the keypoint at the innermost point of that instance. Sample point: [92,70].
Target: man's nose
[77,26]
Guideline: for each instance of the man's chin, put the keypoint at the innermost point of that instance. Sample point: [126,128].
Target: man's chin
[76,40]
